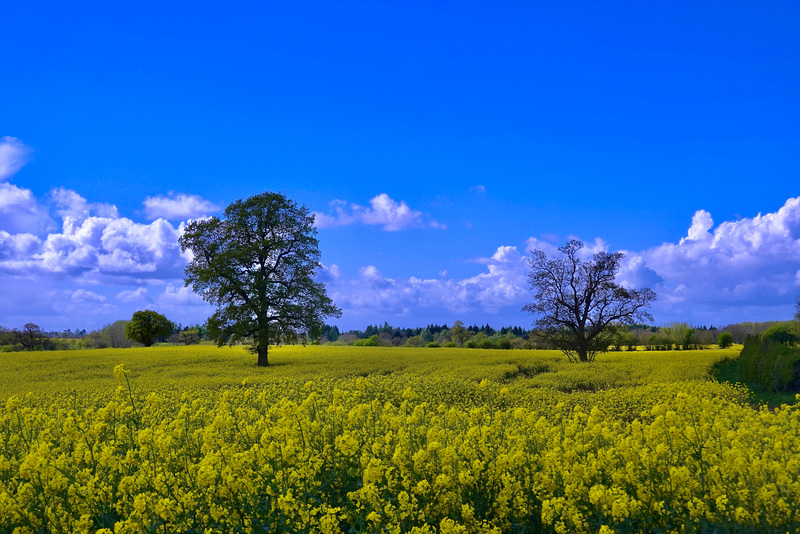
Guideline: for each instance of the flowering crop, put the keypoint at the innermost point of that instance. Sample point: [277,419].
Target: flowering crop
[419,449]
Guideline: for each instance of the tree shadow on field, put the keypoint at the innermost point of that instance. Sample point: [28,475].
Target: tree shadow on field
[525,371]
[379,372]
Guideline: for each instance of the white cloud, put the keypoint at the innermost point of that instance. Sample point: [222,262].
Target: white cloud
[90,245]
[75,304]
[180,295]
[747,264]
[179,207]
[701,224]
[21,212]
[139,295]
[63,278]
[13,156]
[479,189]
[383,211]
[95,267]
[17,247]
[503,285]
[74,209]
[82,295]
[740,270]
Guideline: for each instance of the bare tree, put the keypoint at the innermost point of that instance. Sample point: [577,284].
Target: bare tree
[578,302]
[31,336]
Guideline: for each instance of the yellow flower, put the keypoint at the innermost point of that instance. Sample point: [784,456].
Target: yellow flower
[120,371]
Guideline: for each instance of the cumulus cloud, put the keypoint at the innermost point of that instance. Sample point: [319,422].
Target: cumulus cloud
[739,270]
[94,240]
[701,224]
[95,265]
[138,295]
[180,295]
[13,155]
[92,267]
[178,207]
[21,212]
[502,285]
[383,211]
[713,272]
[17,247]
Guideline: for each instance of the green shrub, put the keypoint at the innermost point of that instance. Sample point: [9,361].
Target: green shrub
[767,365]
[785,332]
[371,341]
[725,340]
[415,341]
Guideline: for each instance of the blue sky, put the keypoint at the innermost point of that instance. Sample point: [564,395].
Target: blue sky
[438,142]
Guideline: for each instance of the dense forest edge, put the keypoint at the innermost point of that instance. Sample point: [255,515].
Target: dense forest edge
[673,336]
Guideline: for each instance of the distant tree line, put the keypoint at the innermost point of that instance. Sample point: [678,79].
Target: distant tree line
[673,336]
[432,335]
[32,338]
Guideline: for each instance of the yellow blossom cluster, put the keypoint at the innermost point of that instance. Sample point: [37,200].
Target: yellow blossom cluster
[398,453]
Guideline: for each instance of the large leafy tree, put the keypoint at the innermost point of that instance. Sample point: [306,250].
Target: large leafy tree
[579,303]
[146,326]
[257,266]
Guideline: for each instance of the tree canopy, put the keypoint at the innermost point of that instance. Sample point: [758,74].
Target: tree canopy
[146,326]
[725,340]
[579,302]
[257,266]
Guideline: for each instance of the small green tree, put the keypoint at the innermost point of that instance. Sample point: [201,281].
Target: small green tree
[147,326]
[371,341]
[725,340]
[688,339]
[459,334]
[190,336]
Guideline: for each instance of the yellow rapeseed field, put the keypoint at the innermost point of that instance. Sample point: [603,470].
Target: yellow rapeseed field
[370,439]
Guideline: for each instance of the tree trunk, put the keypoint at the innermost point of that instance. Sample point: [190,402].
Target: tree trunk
[262,356]
[583,346]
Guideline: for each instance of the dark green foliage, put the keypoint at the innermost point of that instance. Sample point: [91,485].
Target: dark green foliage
[31,337]
[330,332]
[767,365]
[785,332]
[147,326]
[725,340]
[190,336]
[258,267]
